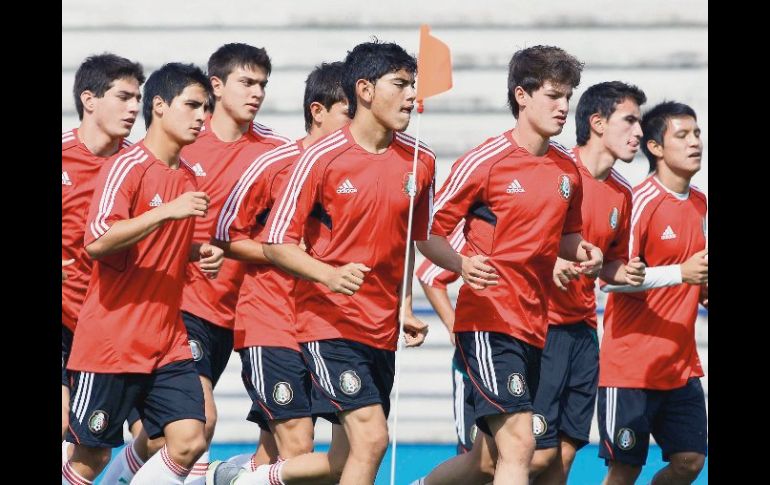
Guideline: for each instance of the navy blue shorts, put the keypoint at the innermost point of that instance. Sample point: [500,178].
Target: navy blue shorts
[66,347]
[278,384]
[211,346]
[504,372]
[465,419]
[676,419]
[569,378]
[348,375]
[99,403]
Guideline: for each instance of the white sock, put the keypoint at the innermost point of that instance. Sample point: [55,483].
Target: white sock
[65,445]
[161,469]
[123,468]
[197,475]
[244,460]
[70,477]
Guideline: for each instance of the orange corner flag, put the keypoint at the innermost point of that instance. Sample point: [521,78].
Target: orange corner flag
[434,66]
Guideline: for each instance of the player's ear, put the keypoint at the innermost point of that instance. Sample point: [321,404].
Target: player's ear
[365,90]
[88,99]
[597,123]
[218,85]
[655,148]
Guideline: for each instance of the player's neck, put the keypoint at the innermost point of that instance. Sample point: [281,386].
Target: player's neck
[162,147]
[675,182]
[369,133]
[226,128]
[315,134]
[596,159]
[97,141]
[529,139]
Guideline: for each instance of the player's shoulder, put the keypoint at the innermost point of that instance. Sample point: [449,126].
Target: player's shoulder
[407,142]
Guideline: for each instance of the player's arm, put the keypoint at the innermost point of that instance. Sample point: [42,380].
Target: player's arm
[124,233]
[415,329]
[246,250]
[474,270]
[346,279]
[573,247]
[65,262]
[693,271]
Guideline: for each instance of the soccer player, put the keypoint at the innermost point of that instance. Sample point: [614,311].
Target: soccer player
[348,197]
[107,99]
[649,370]
[434,280]
[130,348]
[239,75]
[607,124]
[274,370]
[520,196]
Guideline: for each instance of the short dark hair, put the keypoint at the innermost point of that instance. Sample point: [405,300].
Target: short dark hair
[655,122]
[530,68]
[230,57]
[98,72]
[323,85]
[602,98]
[168,82]
[371,61]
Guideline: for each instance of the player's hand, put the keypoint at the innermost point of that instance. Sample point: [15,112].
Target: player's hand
[703,297]
[65,262]
[593,265]
[211,259]
[414,330]
[477,274]
[347,279]
[563,272]
[635,271]
[186,205]
[696,269]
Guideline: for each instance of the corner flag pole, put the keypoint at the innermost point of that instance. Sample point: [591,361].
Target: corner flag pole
[434,70]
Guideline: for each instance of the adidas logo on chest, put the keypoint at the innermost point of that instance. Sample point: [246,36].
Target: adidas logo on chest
[668,234]
[198,169]
[65,178]
[156,201]
[347,187]
[515,188]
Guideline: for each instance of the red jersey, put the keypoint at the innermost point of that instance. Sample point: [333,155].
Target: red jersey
[516,206]
[649,336]
[264,315]
[606,212]
[79,168]
[217,166]
[436,276]
[352,206]
[130,320]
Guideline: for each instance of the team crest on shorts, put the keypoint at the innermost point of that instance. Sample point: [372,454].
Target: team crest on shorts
[539,425]
[197,350]
[614,218]
[350,383]
[474,433]
[565,187]
[98,421]
[282,393]
[410,184]
[626,439]
[516,384]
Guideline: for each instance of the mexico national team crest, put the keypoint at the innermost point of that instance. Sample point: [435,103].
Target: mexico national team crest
[626,439]
[350,383]
[516,384]
[282,393]
[565,187]
[196,349]
[614,218]
[474,433]
[98,421]
[410,184]
[539,425]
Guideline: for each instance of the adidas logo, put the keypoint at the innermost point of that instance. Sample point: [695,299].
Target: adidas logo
[515,188]
[346,188]
[65,178]
[199,172]
[156,201]
[668,234]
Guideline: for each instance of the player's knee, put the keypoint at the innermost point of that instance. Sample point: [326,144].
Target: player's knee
[210,426]
[296,445]
[687,465]
[96,458]
[371,443]
[542,459]
[187,452]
